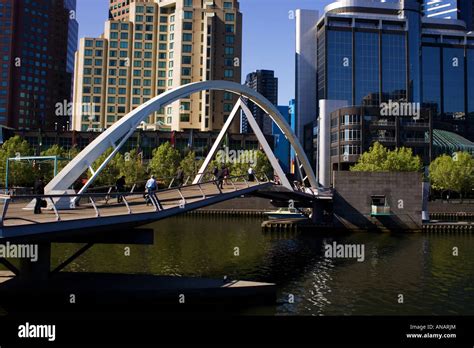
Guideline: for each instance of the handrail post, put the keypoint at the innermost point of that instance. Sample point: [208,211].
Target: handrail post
[233,185]
[58,218]
[256,178]
[97,213]
[202,192]
[127,205]
[6,203]
[182,197]
[160,206]
[156,202]
[266,177]
[107,196]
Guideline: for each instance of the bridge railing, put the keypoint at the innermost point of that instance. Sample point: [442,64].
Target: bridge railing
[152,198]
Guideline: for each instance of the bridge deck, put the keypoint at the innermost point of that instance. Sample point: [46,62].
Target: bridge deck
[19,222]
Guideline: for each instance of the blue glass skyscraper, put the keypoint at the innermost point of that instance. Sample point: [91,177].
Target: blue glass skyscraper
[450,9]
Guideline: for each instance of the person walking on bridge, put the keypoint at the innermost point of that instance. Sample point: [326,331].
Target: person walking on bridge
[120,188]
[39,190]
[151,186]
[251,174]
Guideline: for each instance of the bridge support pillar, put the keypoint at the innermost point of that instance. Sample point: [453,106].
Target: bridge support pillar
[37,271]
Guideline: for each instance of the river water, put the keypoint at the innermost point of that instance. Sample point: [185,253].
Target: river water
[421,267]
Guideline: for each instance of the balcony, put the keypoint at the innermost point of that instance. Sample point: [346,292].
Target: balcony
[416,124]
[384,139]
[386,123]
[416,140]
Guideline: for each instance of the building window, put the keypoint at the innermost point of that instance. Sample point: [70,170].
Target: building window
[186,59]
[187,48]
[186,72]
[350,135]
[229,73]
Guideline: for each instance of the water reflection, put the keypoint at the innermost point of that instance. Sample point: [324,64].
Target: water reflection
[421,267]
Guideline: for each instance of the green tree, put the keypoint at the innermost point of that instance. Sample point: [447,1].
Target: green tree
[47,167]
[164,163]
[131,165]
[453,173]
[402,160]
[111,172]
[263,165]
[380,159]
[190,164]
[21,173]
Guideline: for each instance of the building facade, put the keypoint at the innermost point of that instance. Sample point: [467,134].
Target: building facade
[306,104]
[265,83]
[354,129]
[370,54]
[149,47]
[451,9]
[143,141]
[37,41]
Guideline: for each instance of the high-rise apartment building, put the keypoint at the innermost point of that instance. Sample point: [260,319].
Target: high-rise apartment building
[120,9]
[265,83]
[36,43]
[150,47]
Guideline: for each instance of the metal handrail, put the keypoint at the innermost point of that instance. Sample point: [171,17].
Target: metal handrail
[153,197]
[126,194]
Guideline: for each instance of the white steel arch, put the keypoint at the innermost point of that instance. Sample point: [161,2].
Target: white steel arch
[119,132]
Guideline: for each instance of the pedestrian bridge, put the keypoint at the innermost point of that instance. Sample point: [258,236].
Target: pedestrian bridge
[101,211]
[96,212]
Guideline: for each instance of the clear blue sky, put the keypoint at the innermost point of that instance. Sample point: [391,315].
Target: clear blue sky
[268,35]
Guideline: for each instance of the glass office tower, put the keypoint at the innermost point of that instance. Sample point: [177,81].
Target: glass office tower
[441,9]
[362,61]
[448,86]
[450,9]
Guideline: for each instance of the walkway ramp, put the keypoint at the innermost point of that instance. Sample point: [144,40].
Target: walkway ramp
[99,212]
